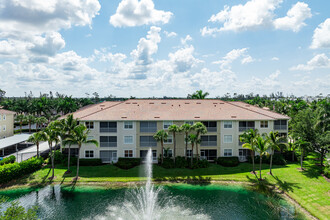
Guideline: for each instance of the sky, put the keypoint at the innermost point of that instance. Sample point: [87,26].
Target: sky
[146,48]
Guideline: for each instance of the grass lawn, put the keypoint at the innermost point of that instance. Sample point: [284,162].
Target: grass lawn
[308,187]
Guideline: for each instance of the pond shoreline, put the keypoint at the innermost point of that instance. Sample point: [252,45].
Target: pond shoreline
[116,185]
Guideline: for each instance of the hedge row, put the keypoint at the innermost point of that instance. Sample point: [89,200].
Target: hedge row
[182,162]
[278,159]
[228,161]
[13,171]
[128,163]
[10,159]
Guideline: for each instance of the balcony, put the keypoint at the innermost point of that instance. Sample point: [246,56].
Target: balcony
[148,144]
[280,127]
[208,143]
[108,127]
[241,129]
[148,127]
[246,125]
[211,129]
[211,126]
[108,144]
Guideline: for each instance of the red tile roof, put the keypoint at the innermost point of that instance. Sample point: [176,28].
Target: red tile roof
[4,111]
[174,110]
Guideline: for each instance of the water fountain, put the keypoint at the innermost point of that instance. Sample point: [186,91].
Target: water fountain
[144,203]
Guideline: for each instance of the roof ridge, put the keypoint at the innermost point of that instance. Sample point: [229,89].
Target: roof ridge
[249,109]
[120,102]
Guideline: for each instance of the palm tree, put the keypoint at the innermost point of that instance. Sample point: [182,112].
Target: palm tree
[51,134]
[275,143]
[262,146]
[30,119]
[36,138]
[20,119]
[161,136]
[79,136]
[174,129]
[193,140]
[292,146]
[68,124]
[186,128]
[302,146]
[249,137]
[198,95]
[40,121]
[200,129]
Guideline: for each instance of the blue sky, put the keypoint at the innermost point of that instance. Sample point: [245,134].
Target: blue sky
[147,48]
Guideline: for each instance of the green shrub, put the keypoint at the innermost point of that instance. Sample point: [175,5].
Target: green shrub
[278,159]
[59,157]
[181,162]
[327,171]
[13,171]
[90,162]
[127,163]
[199,163]
[10,159]
[168,163]
[288,156]
[228,161]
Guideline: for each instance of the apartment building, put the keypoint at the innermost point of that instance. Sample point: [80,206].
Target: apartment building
[126,129]
[6,123]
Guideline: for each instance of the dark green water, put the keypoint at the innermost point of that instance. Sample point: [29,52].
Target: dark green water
[185,201]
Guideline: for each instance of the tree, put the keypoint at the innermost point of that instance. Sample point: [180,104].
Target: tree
[79,136]
[20,119]
[193,139]
[186,128]
[303,146]
[15,211]
[198,95]
[30,119]
[174,129]
[40,121]
[67,126]
[261,147]
[275,143]
[200,129]
[249,138]
[161,136]
[36,138]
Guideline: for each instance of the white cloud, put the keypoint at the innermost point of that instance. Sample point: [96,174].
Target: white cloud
[132,13]
[317,62]
[183,59]
[170,34]
[49,45]
[275,59]
[234,55]
[294,20]
[186,39]
[321,37]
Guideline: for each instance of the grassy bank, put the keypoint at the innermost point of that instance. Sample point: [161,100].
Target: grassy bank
[308,187]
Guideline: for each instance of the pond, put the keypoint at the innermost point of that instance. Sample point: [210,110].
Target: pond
[174,201]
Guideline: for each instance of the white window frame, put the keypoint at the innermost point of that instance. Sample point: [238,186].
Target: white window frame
[128,123]
[227,149]
[89,153]
[167,123]
[166,142]
[186,152]
[89,122]
[170,150]
[128,136]
[128,153]
[224,139]
[4,128]
[4,117]
[226,123]
[264,127]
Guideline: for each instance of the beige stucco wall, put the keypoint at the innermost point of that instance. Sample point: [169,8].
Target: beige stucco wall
[8,123]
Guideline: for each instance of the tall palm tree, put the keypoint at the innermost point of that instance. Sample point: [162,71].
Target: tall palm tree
[30,119]
[20,119]
[302,145]
[275,143]
[174,129]
[40,121]
[200,129]
[193,139]
[161,136]
[249,138]
[186,128]
[36,138]
[68,124]
[79,136]
[51,134]
[199,95]
[262,146]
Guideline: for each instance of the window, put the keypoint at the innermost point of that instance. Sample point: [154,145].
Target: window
[188,153]
[208,154]
[227,152]
[227,124]
[148,141]
[108,141]
[108,156]
[89,153]
[210,125]
[128,153]
[243,153]
[263,124]
[246,125]
[89,124]
[90,137]
[128,125]
[143,154]
[168,152]
[209,140]
[148,126]
[280,125]
[108,126]
[4,117]
[189,122]
[228,139]
[167,124]
[169,139]
[128,139]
